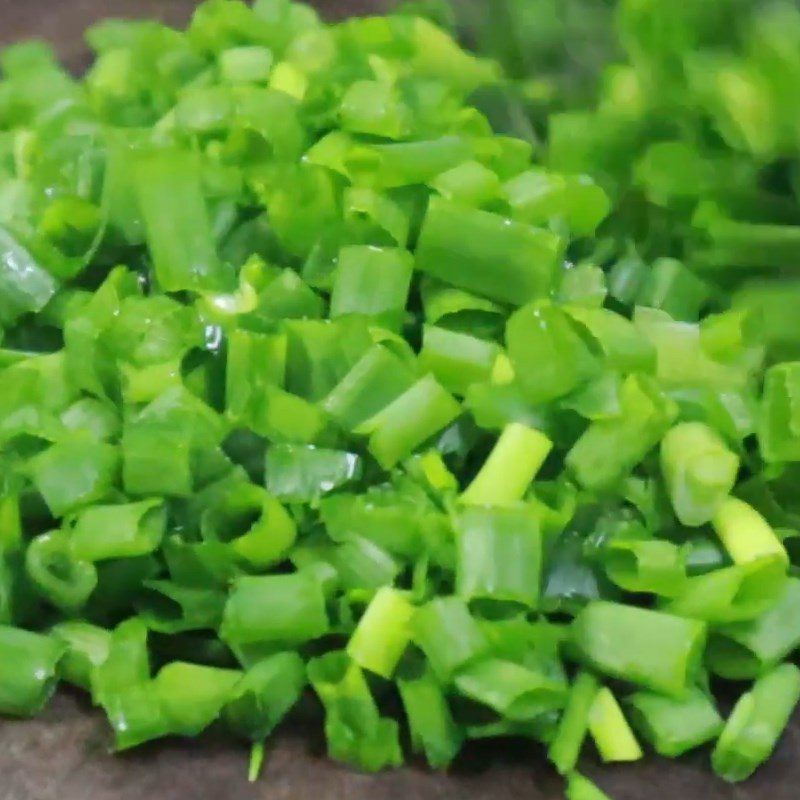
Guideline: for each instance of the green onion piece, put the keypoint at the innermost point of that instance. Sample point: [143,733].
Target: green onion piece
[376,379]
[362,564]
[24,286]
[285,417]
[438,55]
[255,361]
[580,788]
[74,472]
[257,753]
[583,285]
[86,646]
[756,724]
[622,345]
[457,360]
[609,449]
[745,244]
[274,608]
[192,695]
[127,664]
[675,725]
[432,728]
[384,166]
[259,528]
[303,473]
[28,666]
[610,730]
[566,746]
[732,594]
[431,470]
[448,635]
[499,554]
[355,731]
[742,650]
[746,535]
[540,198]
[57,574]
[511,690]
[377,215]
[469,184]
[136,716]
[646,565]
[779,421]
[167,607]
[656,650]
[157,449]
[699,471]
[681,359]
[266,693]
[374,282]
[382,633]
[399,522]
[10,523]
[248,64]
[408,421]
[322,352]
[510,468]
[288,79]
[444,304]
[176,223]
[549,356]
[672,287]
[487,254]
[374,108]
[124,531]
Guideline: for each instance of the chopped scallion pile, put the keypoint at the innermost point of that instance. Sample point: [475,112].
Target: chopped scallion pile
[325,369]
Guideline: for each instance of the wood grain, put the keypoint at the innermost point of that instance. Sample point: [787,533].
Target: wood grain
[63,755]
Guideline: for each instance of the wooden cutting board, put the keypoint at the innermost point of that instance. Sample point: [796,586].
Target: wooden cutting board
[63,755]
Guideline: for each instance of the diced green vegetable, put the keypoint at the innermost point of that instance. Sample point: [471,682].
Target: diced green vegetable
[463,382]
[756,723]
[610,730]
[674,726]
[649,648]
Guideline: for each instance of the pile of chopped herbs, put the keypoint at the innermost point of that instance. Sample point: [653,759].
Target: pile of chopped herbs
[310,379]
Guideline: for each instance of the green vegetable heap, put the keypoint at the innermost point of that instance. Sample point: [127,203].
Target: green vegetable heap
[308,377]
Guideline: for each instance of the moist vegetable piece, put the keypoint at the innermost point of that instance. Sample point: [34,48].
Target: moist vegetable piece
[311,380]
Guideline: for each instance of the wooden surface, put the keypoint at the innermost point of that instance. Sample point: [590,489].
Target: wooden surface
[63,754]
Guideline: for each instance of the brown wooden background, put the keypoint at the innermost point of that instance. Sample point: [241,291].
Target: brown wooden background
[63,755]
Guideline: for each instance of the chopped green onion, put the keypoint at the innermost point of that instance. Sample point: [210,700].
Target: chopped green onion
[374,282]
[580,788]
[655,650]
[176,223]
[746,535]
[487,254]
[433,730]
[27,670]
[566,746]
[448,635]
[499,554]
[408,421]
[382,634]
[457,360]
[510,468]
[675,725]
[745,649]
[610,730]
[274,608]
[192,696]
[756,723]
[699,471]
[513,691]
